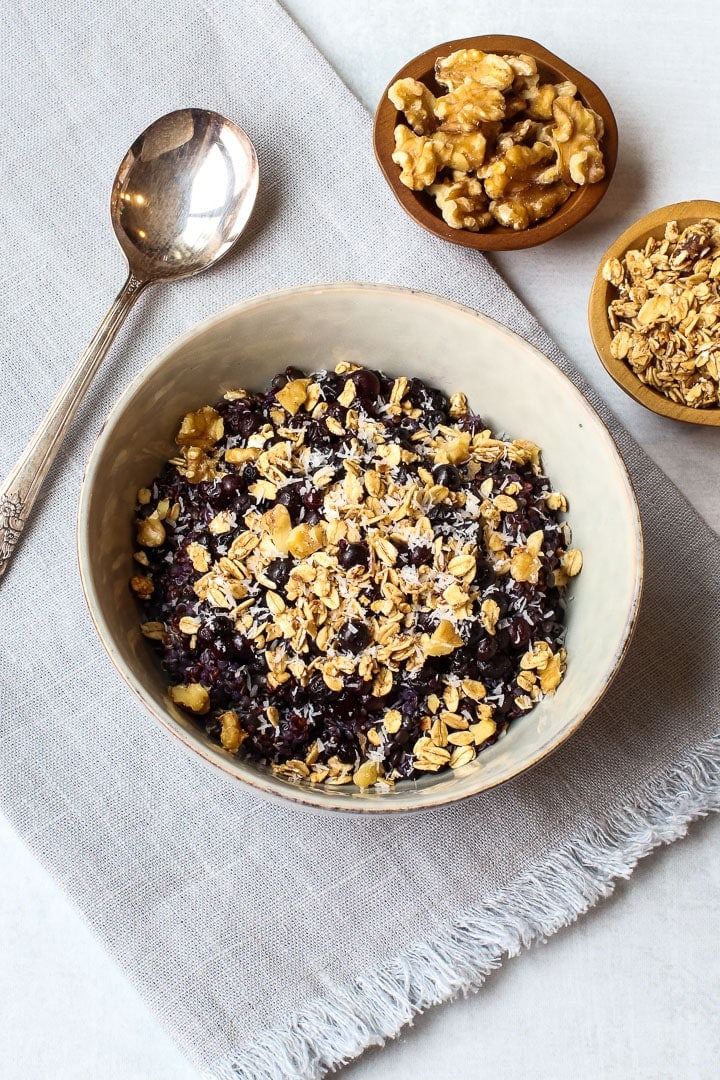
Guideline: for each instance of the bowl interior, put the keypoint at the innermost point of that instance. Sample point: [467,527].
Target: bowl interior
[421,206]
[518,391]
[602,293]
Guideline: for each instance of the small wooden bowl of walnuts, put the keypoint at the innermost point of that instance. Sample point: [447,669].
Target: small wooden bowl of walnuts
[654,311]
[494,143]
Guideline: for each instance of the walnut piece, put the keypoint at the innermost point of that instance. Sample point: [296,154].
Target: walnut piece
[515,184]
[487,69]
[463,203]
[142,586]
[516,169]
[525,131]
[443,640]
[195,465]
[150,532]
[416,157]
[417,102]
[575,140]
[421,157]
[293,394]
[539,101]
[232,735]
[462,153]
[194,697]
[468,106]
[203,428]
[532,204]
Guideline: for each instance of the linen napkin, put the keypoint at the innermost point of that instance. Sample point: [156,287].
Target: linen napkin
[274,944]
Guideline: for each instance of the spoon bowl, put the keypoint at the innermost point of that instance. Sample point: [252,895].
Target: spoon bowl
[182,197]
[183,194]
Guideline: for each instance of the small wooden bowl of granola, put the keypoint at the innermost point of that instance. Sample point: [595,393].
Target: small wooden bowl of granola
[654,311]
[458,205]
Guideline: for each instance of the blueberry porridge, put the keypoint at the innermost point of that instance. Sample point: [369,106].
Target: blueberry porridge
[349,578]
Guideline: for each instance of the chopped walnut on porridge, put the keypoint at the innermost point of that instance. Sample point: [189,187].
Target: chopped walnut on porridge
[665,317]
[501,146]
[351,579]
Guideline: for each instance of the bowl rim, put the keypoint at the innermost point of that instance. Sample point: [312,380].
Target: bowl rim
[578,206]
[650,224]
[269,785]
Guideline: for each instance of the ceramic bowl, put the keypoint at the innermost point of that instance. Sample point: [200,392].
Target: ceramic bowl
[518,391]
[602,292]
[422,208]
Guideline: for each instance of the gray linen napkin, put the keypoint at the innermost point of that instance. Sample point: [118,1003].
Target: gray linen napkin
[272,943]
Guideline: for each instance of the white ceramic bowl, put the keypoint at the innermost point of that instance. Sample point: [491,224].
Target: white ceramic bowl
[519,392]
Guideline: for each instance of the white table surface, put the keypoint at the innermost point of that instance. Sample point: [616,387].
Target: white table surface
[633,989]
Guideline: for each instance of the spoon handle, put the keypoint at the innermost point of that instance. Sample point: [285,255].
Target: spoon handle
[19,491]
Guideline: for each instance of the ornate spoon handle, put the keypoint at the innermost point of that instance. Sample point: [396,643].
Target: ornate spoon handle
[20,489]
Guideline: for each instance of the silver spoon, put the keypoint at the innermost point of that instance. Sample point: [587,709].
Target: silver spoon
[181,198]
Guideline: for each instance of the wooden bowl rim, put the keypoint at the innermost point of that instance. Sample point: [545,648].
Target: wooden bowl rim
[635,236]
[578,206]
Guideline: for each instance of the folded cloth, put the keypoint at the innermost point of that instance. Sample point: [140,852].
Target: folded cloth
[273,943]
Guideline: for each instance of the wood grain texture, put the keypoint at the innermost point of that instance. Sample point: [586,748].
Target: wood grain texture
[602,293]
[421,206]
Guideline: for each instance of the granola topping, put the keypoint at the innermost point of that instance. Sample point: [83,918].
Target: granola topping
[665,316]
[362,583]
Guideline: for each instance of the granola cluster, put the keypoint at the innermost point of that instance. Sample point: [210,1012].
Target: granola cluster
[351,579]
[666,315]
[501,146]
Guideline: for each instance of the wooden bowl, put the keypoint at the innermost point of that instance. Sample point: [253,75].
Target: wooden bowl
[421,206]
[603,292]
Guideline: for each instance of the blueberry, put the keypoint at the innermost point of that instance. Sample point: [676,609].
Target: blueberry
[485,648]
[448,476]
[279,572]
[519,631]
[248,423]
[218,650]
[331,385]
[319,691]
[313,499]
[353,637]
[425,622]
[318,434]
[473,424]
[421,555]
[337,412]
[499,597]
[367,384]
[240,649]
[484,575]
[290,497]
[227,490]
[354,555]
[205,635]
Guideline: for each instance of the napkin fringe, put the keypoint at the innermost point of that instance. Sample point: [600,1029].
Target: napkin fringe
[327,1034]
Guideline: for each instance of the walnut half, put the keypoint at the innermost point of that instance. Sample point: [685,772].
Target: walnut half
[463,203]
